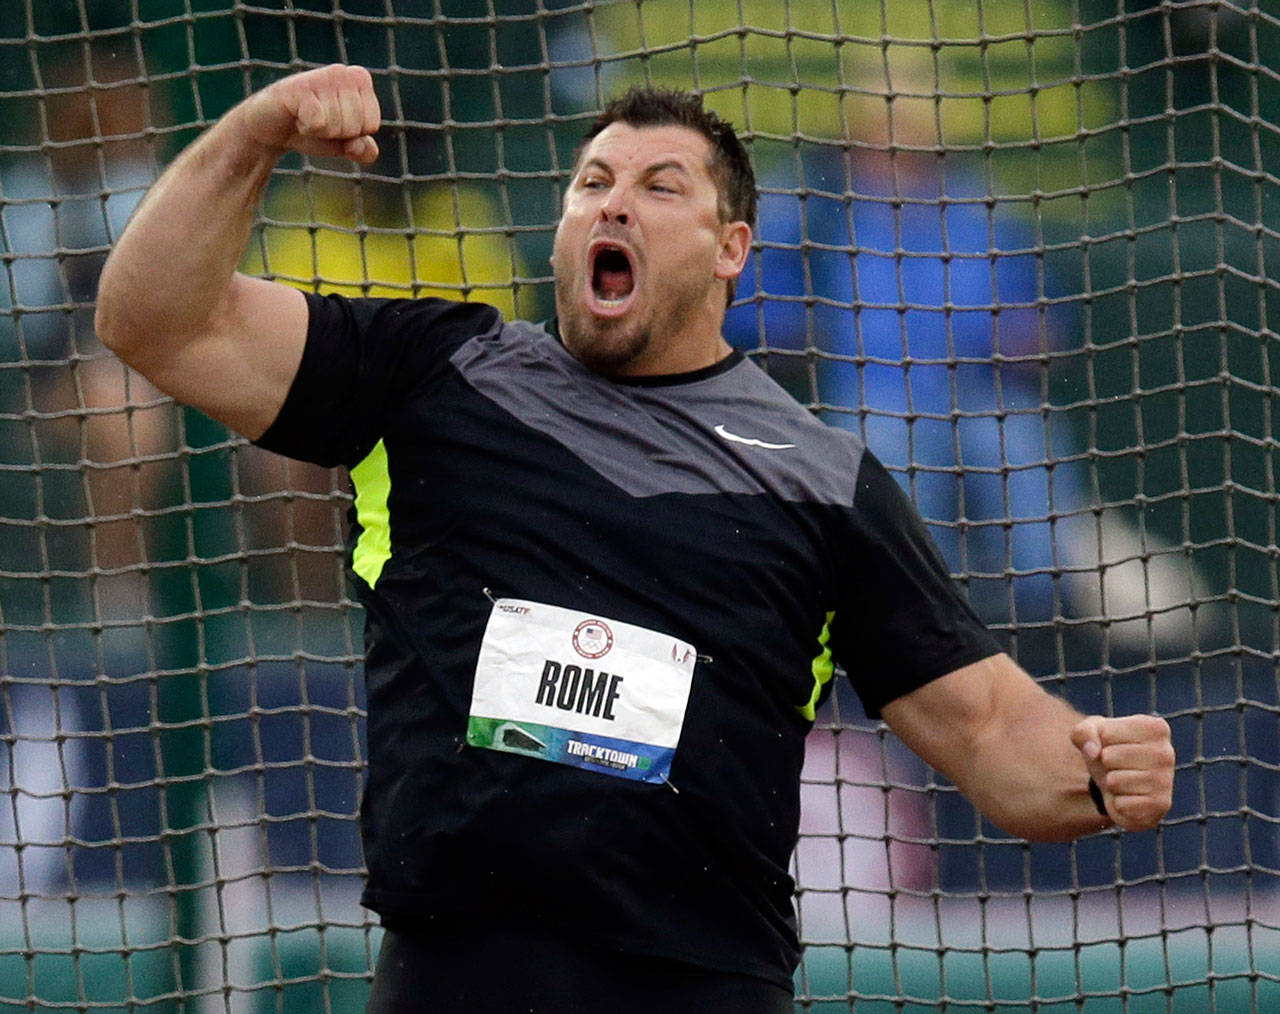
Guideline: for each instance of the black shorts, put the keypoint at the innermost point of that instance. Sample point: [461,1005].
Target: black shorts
[523,969]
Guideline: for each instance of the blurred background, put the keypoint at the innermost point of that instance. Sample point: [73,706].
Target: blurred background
[1022,249]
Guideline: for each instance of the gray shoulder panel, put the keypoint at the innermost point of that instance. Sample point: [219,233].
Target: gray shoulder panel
[733,432]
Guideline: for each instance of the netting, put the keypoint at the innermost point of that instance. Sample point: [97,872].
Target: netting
[1023,248]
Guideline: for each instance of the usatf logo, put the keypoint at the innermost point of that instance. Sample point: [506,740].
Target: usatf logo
[592,639]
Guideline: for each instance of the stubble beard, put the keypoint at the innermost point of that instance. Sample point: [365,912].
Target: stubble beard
[609,346]
[602,346]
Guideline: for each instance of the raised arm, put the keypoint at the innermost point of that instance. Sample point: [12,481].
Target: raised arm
[171,303]
[1025,757]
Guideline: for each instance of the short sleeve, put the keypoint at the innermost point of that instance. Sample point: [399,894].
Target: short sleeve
[361,360]
[901,622]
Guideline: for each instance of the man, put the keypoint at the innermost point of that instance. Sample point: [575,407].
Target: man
[606,569]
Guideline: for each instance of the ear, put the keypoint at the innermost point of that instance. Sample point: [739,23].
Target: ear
[735,247]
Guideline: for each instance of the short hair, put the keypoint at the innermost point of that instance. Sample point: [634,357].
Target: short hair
[730,168]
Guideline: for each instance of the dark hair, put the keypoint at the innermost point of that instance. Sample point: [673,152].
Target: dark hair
[657,107]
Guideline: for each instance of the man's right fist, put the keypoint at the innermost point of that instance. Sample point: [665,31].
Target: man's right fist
[331,111]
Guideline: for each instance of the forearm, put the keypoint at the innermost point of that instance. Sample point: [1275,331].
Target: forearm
[173,270]
[1025,757]
[1026,776]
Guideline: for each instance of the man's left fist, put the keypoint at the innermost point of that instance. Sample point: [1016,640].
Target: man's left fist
[1131,760]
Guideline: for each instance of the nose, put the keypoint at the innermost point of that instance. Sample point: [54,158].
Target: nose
[614,209]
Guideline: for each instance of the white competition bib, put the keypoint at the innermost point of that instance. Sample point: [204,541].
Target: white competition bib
[580,689]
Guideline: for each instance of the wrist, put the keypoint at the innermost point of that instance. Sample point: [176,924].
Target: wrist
[250,135]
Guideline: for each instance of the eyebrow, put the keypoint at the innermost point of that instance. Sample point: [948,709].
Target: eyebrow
[653,170]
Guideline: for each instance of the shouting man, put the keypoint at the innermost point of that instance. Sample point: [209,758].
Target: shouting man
[607,568]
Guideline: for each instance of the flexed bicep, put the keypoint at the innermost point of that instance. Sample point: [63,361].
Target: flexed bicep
[170,302]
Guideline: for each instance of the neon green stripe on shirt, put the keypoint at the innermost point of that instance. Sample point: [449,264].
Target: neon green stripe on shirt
[823,668]
[372,481]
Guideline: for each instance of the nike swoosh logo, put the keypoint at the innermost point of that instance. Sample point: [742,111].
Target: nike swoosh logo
[749,441]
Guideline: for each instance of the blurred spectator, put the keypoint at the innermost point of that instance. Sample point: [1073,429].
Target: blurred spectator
[86,443]
[332,234]
[930,323]
[915,292]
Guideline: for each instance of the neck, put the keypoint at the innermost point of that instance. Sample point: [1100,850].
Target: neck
[683,355]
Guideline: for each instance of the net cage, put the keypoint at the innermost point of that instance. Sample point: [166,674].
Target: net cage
[1023,248]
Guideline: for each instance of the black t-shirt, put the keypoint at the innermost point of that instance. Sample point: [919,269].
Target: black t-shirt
[707,507]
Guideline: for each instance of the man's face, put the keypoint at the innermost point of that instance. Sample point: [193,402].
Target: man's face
[641,257]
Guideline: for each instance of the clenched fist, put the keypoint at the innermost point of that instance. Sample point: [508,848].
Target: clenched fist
[1131,760]
[331,111]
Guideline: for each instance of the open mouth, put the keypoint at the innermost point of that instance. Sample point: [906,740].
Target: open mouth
[612,277]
